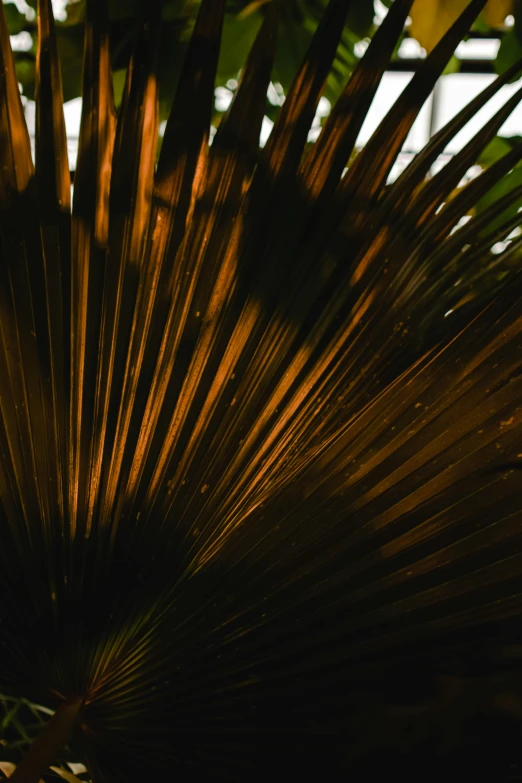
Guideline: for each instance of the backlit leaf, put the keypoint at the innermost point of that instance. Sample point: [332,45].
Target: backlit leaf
[510,51]
[432,18]
[496,11]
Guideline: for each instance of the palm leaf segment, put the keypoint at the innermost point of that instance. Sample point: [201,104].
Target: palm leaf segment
[246,464]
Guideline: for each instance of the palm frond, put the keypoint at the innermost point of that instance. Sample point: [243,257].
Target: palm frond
[260,421]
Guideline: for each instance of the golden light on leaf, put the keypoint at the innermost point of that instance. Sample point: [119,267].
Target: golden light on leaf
[497,11]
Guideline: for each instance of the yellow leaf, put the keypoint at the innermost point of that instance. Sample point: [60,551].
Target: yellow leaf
[496,11]
[430,19]
[8,768]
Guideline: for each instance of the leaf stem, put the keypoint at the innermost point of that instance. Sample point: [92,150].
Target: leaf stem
[49,743]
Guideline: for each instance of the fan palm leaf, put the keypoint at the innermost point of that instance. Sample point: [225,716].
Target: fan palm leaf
[249,470]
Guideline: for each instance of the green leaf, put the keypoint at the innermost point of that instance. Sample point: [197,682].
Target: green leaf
[518,18]
[238,38]
[293,42]
[75,13]
[453,66]
[495,150]
[360,17]
[510,51]
[25,73]
[504,187]
[118,82]
[9,715]
[480,25]
[174,9]
[70,51]
[16,21]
